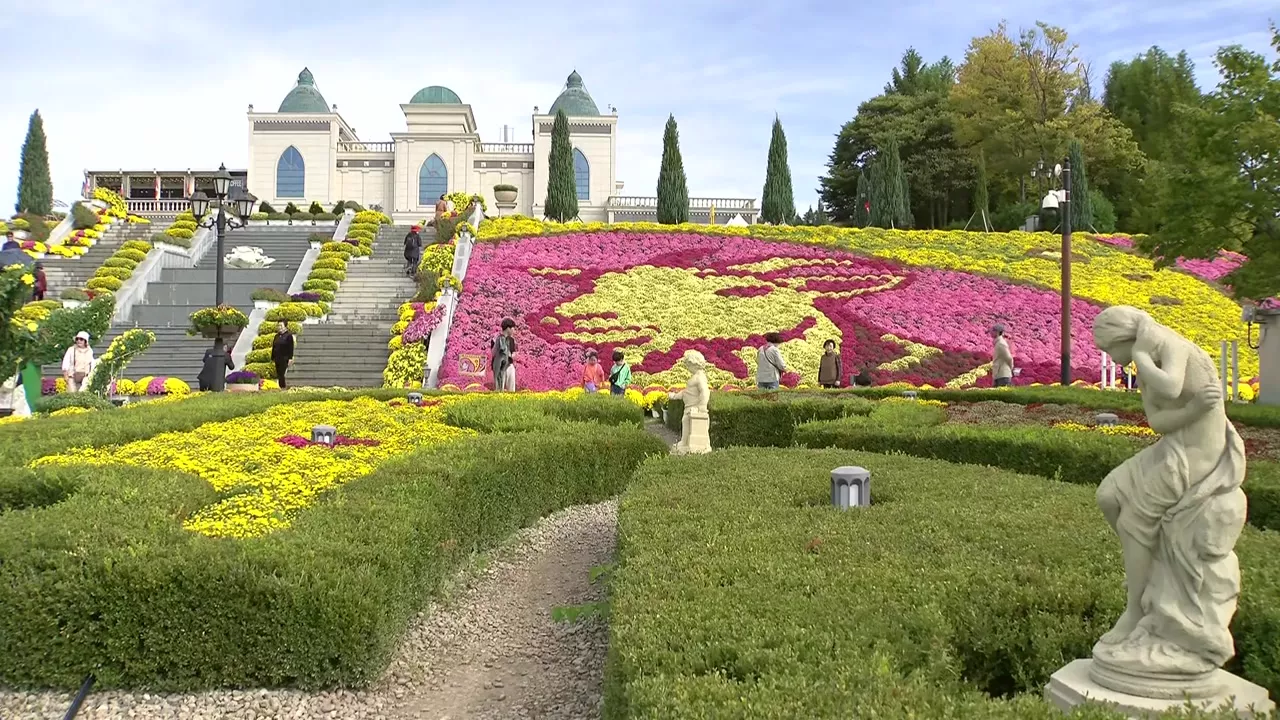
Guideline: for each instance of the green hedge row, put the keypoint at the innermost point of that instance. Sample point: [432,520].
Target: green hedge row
[751,419]
[1076,457]
[741,594]
[514,413]
[97,574]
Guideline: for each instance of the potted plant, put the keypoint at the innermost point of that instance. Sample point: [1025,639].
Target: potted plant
[318,239]
[243,381]
[505,193]
[267,298]
[222,321]
[75,297]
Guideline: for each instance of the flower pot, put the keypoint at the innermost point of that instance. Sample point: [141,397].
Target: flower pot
[316,245]
[242,387]
[311,320]
[504,196]
[228,332]
[264,304]
[73,304]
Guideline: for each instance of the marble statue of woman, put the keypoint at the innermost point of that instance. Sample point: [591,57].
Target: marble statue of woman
[1178,509]
[695,425]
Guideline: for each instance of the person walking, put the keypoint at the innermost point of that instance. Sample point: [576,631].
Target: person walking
[830,369]
[593,375]
[282,353]
[77,363]
[620,375]
[41,284]
[1001,358]
[442,207]
[205,378]
[412,251]
[770,366]
[504,353]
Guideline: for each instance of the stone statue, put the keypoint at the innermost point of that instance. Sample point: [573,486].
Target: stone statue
[695,429]
[1178,509]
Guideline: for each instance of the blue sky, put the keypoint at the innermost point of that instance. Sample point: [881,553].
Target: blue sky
[146,83]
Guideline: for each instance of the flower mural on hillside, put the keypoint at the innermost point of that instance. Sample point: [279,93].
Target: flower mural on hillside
[657,296]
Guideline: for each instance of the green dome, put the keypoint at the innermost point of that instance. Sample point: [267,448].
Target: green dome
[304,97]
[575,101]
[435,95]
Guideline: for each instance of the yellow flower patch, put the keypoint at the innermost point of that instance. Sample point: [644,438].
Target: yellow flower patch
[1125,430]
[275,481]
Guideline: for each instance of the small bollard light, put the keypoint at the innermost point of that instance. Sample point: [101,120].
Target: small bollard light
[415,398]
[1104,419]
[910,394]
[324,435]
[850,487]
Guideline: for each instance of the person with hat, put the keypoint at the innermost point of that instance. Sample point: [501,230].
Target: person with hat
[1001,358]
[412,251]
[77,363]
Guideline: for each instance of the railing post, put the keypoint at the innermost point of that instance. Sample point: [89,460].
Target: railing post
[1235,370]
[1222,367]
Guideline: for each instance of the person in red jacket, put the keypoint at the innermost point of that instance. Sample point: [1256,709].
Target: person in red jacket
[41,284]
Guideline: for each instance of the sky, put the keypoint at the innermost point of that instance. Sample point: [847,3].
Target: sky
[141,84]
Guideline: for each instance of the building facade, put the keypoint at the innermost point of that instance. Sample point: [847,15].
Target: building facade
[305,151]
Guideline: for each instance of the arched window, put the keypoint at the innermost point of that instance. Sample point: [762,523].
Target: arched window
[433,181]
[290,174]
[582,174]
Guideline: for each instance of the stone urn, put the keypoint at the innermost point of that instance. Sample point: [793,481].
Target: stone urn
[504,196]
[242,387]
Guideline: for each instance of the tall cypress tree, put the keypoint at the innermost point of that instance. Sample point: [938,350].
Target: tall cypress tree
[778,204]
[1081,204]
[897,194]
[35,187]
[877,195]
[862,209]
[673,189]
[562,194]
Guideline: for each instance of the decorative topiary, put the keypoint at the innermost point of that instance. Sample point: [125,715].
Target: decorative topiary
[315,208]
[291,209]
[265,207]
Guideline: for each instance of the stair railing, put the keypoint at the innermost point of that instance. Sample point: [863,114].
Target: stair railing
[449,299]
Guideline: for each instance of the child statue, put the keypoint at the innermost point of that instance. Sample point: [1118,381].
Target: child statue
[695,429]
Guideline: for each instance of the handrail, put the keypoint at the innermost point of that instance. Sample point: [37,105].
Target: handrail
[60,231]
[449,299]
[357,146]
[651,203]
[161,256]
[162,206]
[505,148]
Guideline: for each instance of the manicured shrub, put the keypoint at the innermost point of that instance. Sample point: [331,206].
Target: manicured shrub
[329,264]
[337,247]
[109,284]
[124,591]
[330,285]
[767,420]
[259,216]
[132,254]
[315,208]
[265,207]
[277,216]
[115,272]
[119,262]
[256,357]
[136,245]
[27,488]
[269,295]
[740,593]
[329,217]
[51,403]
[291,209]
[302,217]
[322,274]
[83,217]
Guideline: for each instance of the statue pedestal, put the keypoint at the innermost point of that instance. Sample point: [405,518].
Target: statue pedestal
[697,434]
[1072,686]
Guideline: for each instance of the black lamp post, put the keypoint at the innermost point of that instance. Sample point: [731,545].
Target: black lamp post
[241,203]
[1065,213]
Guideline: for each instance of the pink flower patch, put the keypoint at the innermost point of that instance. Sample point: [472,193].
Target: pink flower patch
[297,441]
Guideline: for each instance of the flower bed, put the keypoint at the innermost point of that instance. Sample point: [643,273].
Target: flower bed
[914,305]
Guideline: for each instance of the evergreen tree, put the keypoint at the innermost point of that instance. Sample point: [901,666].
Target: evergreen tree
[981,200]
[820,216]
[562,190]
[35,186]
[673,189]
[778,203]
[1081,200]
[861,210]
[890,196]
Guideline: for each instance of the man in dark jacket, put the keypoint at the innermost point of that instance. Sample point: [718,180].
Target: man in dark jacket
[205,378]
[412,251]
[282,353]
[41,284]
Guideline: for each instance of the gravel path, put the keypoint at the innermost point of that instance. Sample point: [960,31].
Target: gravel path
[489,650]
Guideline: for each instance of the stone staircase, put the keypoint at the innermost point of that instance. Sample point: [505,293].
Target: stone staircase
[63,273]
[350,350]
[178,292]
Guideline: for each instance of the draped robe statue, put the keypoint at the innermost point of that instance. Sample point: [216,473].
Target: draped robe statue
[1178,509]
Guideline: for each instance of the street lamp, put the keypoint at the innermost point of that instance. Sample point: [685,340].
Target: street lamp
[241,203]
[1061,200]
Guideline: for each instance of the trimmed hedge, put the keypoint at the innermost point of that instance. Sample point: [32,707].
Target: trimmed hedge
[1083,458]
[513,413]
[749,419]
[740,593]
[123,591]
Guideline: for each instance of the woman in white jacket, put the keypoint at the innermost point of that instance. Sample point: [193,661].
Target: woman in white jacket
[77,363]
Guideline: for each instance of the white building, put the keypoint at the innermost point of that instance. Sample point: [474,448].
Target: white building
[305,151]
